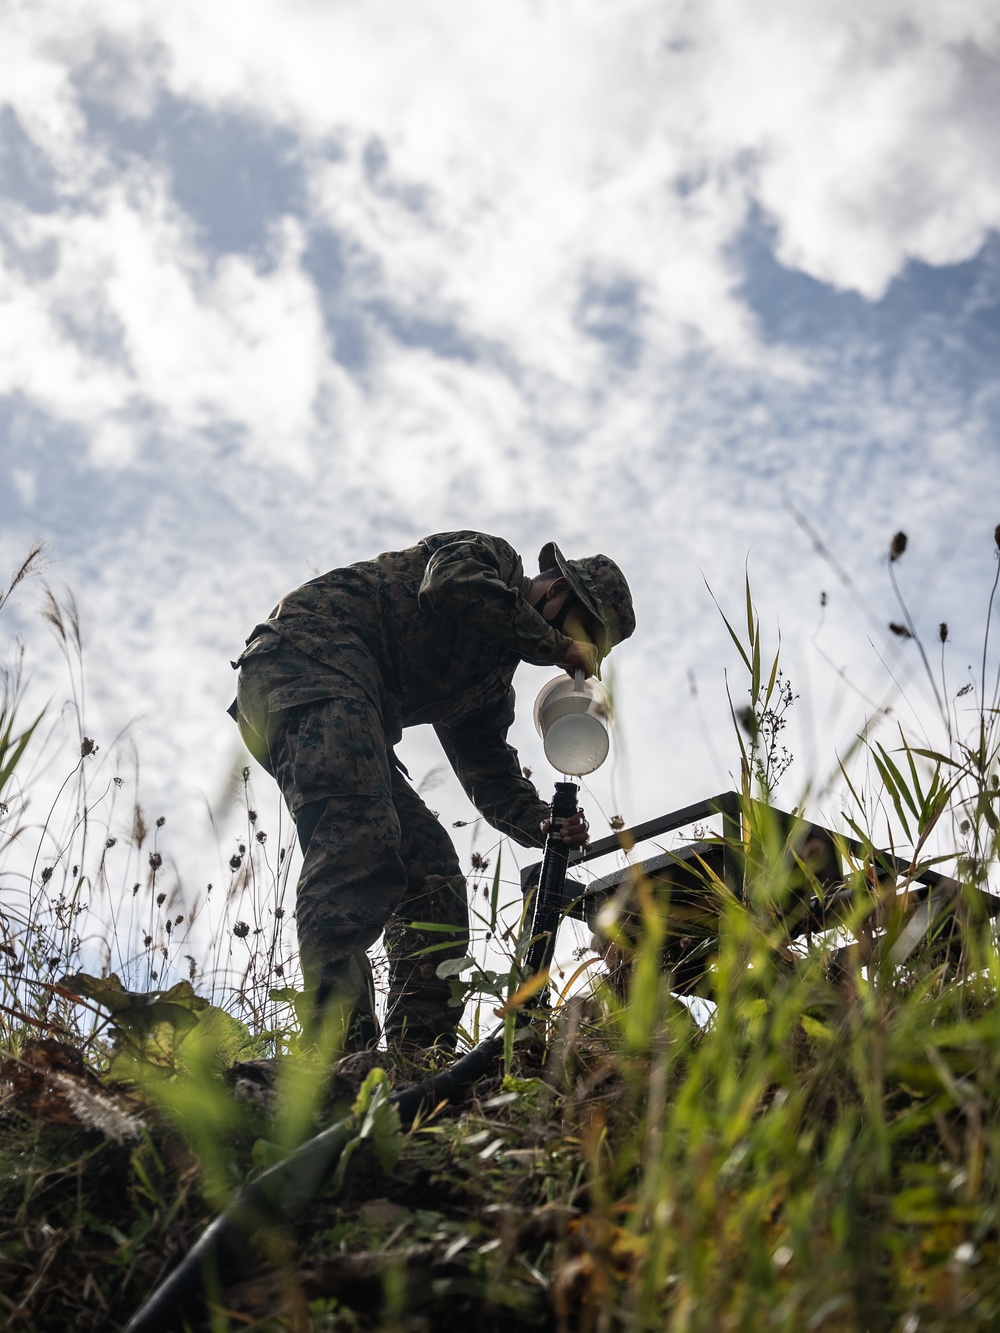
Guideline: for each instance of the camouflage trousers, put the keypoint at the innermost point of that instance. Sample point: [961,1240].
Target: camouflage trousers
[374,857]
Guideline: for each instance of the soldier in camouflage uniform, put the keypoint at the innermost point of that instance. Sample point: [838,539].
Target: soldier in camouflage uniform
[431,634]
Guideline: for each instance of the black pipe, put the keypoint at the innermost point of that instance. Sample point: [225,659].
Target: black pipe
[549,904]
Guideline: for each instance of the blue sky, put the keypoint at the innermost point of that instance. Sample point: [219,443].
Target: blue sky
[284,285]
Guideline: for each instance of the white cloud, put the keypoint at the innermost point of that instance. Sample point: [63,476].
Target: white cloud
[134,321]
[498,176]
[538,210]
[26,484]
[572,124]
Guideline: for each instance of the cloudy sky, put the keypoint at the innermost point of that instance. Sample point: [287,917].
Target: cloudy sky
[705,286]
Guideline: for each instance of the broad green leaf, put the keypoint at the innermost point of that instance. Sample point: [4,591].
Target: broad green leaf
[454,967]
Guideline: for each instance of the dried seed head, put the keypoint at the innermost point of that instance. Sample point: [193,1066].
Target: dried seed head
[252,816]
[943,631]
[161,898]
[900,631]
[241,930]
[110,842]
[97,1110]
[87,746]
[155,860]
[822,599]
[260,835]
[161,821]
[235,861]
[996,536]
[897,546]
[139,829]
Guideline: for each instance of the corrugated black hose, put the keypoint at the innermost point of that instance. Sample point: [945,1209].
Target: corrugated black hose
[223,1250]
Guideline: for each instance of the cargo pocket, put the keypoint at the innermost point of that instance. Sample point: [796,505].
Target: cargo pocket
[334,747]
[295,693]
[367,743]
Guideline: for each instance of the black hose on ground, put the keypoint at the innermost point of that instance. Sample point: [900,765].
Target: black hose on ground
[222,1251]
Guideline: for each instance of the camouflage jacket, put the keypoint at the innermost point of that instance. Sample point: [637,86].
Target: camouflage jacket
[434,634]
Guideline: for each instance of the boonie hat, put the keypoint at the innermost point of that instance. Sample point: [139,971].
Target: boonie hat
[600,586]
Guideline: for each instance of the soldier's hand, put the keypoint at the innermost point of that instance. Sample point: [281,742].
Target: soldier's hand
[575,830]
[581,656]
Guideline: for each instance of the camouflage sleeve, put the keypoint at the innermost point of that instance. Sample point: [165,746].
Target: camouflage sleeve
[479,579]
[489,770]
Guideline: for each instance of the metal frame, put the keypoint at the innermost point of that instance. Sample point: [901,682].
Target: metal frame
[728,804]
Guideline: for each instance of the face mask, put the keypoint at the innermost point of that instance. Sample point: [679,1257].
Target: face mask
[568,611]
[559,619]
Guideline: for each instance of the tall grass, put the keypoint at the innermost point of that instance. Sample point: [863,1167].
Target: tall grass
[825,1152]
[821,1152]
[87,879]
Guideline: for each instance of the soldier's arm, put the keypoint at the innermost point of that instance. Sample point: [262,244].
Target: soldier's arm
[479,579]
[489,770]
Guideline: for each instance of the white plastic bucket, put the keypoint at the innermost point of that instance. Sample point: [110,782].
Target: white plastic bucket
[571,716]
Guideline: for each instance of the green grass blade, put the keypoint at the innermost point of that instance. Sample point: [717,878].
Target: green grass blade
[495,892]
[889,782]
[11,752]
[732,633]
[751,636]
